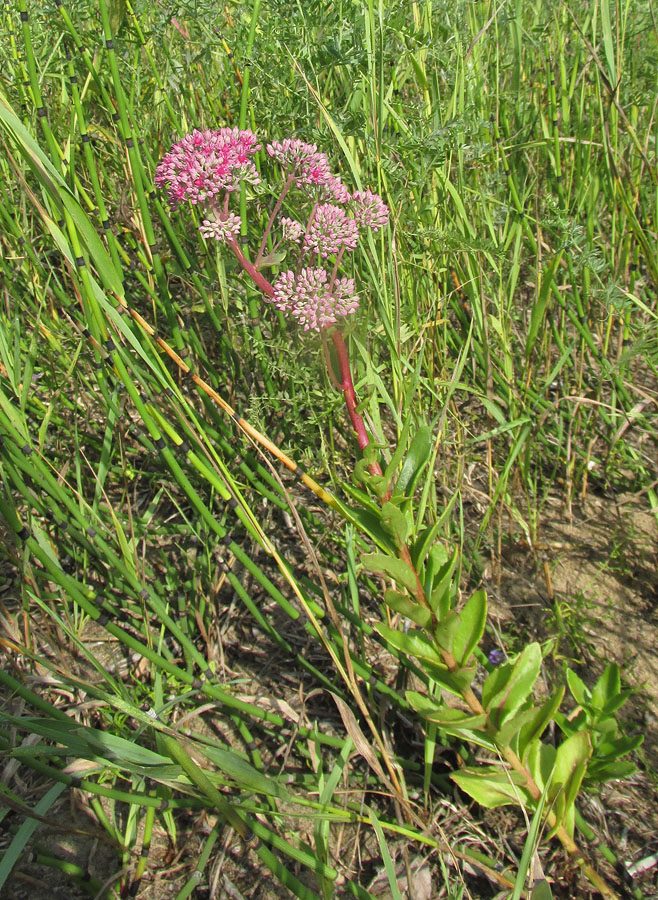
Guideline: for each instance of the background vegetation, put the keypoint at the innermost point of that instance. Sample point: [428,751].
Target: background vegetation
[178,609]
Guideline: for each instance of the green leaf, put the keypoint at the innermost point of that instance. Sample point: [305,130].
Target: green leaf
[394,568]
[411,643]
[473,618]
[423,544]
[245,774]
[404,605]
[456,681]
[578,688]
[507,687]
[539,720]
[452,721]
[540,760]
[539,308]
[607,689]
[610,750]
[598,772]
[415,461]
[490,786]
[395,522]
[398,456]
[368,521]
[447,630]
[440,574]
[570,766]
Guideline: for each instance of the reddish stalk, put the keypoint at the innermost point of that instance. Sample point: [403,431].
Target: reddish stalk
[346,384]
[251,269]
[347,387]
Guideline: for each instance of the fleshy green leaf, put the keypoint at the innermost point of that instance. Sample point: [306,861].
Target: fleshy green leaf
[607,689]
[424,543]
[578,688]
[404,605]
[507,687]
[441,571]
[570,766]
[395,522]
[447,630]
[490,786]
[452,721]
[456,681]
[415,461]
[382,564]
[473,618]
[539,720]
[412,643]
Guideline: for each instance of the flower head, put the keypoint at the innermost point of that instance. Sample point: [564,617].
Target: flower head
[369,209]
[221,229]
[336,190]
[206,163]
[292,230]
[330,230]
[304,160]
[311,300]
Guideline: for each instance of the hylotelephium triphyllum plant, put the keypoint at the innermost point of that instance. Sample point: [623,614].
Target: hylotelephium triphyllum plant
[206,168]
[505,717]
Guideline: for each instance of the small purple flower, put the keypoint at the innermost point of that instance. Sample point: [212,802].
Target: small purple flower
[369,209]
[308,297]
[292,231]
[206,163]
[497,657]
[221,229]
[330,230]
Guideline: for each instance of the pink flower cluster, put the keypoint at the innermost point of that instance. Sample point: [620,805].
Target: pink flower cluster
[206,166]
[292,231]
[370,211]
[221,228]
[207,163]
[314,303]
[331,230]
[309,166]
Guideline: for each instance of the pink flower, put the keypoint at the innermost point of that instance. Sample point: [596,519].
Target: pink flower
[292,230]
[330,230]
[206,163]
[337,190]
[304,160]
[221,229]
[369,209]
[308,297]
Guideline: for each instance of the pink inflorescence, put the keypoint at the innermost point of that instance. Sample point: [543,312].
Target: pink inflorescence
[305,161]
[221,229]
[309,297]
[205,164]
[331,230]
[291,230]
[369,209]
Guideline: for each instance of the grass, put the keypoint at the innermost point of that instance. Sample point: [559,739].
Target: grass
[510,306]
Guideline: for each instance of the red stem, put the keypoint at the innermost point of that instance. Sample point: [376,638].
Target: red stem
[346,383]
[251,269]
[347,387]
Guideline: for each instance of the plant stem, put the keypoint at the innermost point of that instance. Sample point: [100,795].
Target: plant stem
[270,221]
[251,269]
[347,387]
[346,383]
